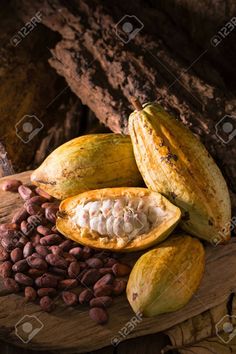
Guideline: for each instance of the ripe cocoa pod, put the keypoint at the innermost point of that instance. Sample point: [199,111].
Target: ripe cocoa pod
[102,160]
[120,219]
[165,278]
[174,163]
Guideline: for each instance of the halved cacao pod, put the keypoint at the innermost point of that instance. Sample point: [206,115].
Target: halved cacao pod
[88,162]
[120,219]
[165,278]
[174,163]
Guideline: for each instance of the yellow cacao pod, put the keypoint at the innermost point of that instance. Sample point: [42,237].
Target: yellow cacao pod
[119,219]
[88,162]
[165,278]
[174,163]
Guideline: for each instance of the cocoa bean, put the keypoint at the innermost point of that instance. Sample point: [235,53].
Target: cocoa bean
[103,255]
[23,279]
[46,304]
[46,281]
[66,245]
[43,194]
[85,296]
[22,241]
[46,292]
[87,252]
[43,230]
[50,240]
[69,298]
[33,209]
[69,257]
[35,200]
[50,214]
[105,280]
[20,266]
[25,192]
[56,250]
[9,243]
[77,252]
[58,271]
[120,270]
[35,273]
[30,294]
[119,287]
[73,269]
[104,271]
[36,262]
[56,261]
[19,216]
[99,315]
[9,233]
[35,240]
[16,255]
[83,265]
[50,205]
[11,285]
[110,262]
[6,269]
[28,249]
[94,262]
[54,230]
[104,290]
[42,250]
[90,277]
[67,284]
[102,301]
[26,228]
[36,220]
[4,255]
[11,185]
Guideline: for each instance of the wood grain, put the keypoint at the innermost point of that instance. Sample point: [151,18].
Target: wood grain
[71,330]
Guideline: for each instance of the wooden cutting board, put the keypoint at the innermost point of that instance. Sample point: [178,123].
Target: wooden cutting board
[71,330]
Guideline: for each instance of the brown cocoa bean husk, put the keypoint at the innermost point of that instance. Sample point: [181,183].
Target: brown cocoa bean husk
[85,296]
[102,301]
[56,261]
[20,266]
[94,262]
[70,298]
[67,284]
[30,294]
[119,287]
[42,250]
[50,240]
[46,292]
[90,277]
[19,216]
[121,270]
[28,249]
[4,255]
[73,269]
[104,290]
[11,285]
[46,281]
[23,279]
[16,255]
[25,192]
[43,194]
[99,315]
[46,304]
[43,230]
[105,280]
[11,185]
[37,262]
[6,269]
[77,252]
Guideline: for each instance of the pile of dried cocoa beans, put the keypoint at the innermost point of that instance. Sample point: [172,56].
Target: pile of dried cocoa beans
[37,259]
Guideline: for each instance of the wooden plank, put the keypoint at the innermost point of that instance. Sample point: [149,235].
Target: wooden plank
[71,330]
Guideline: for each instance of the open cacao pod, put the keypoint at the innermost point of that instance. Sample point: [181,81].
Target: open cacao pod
[165,278]
[88,162]
[120,219]
[174,163]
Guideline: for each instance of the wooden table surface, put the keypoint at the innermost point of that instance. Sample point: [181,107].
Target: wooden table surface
[70,330]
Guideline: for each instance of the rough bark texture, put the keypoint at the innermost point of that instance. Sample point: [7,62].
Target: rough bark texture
[176,65]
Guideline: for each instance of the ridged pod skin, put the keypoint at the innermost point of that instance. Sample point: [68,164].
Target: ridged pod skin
[88,162]
[168,219]
[174,163]
[165,278]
